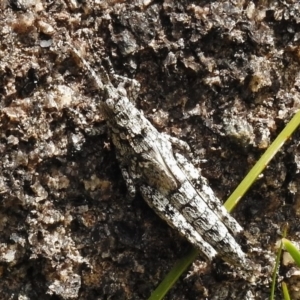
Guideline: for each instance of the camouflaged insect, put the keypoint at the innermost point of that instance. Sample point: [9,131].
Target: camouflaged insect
[169,183]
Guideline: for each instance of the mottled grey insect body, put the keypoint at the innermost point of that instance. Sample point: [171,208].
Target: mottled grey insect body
[169,183]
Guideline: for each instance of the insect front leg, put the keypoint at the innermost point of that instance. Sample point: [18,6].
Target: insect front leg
[178,144]
[131,189]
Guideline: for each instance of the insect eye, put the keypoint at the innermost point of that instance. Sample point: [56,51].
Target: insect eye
[122,91]
[110,103]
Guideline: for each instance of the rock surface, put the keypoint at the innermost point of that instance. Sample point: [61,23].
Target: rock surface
[222,75]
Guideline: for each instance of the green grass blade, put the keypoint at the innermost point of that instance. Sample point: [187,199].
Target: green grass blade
[184,262]
[272,295]
[277,262]
[173,275]
[293,250]
[285,292]
[262,162]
